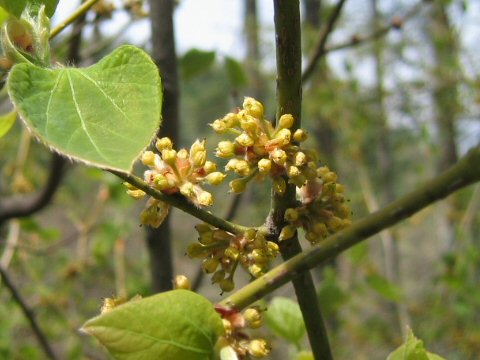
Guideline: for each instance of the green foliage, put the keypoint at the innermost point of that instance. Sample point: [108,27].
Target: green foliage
[412,349]
[174,325]
[16,7]
[6,122]
[304,355]
[196,62]
[384,287]
[103,115]
[235,72]
[285,319]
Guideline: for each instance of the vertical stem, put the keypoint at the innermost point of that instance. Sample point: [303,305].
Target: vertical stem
[289,101]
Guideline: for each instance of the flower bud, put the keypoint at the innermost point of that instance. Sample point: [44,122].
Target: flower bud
[242,168]
[230,166]
[209,265]
[209,167]
[148,158]
[272,249]
[283,136]
[183,154]
[323,170]
[287,232]
[258,348]
[205,198]
[215,178]
[300,158]
[203,228]
[329,177]
[206,238]
[136,193]
[279,157]
[293,171]
[279,185]
[255,270]
[164,143]
[197,251]
[300,135]
[187,190]
[250,234]
[286,121]
[253,316]
[244,140]
[169,156]
[181,282]
[231,120]
[264,166]
[320,229]
[291,215]
[253,107]
[237,186]
[198,153]
[219,126]
[231,253]
[218,276]
[227,285]
[225,149]
[161,182]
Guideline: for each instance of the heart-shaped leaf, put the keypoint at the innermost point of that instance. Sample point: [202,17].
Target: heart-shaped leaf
[173,325]
[103,115]
[285,319]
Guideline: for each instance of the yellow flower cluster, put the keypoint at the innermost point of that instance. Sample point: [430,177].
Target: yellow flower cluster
[323,210]
[260,149]
[235,343]
[222,252]
[172,172]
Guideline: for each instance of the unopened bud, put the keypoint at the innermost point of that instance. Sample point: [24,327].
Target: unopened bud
[258,348]
[225,149]
[197,251]
[244,140]
[219,126]
[279,157]
[164,143]
[287,232]
[253,107]
[286,121]
[148,158]
[300,135]
[187,190]
[255,270]
[136,193]
[291,215]
[209,265]
[300,158]
[161,182]
[205,198]
[181,282]
[237,186]
[209,167]
[169,156]
[215,178]
[242,168]
[227,285]
[293,171]
[284,136]
[198,153]
[253,317]
[264,166]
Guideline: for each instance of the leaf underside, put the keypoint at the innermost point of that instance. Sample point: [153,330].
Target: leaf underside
[103,115]
[174,325]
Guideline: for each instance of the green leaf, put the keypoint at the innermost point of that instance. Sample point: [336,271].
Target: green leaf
[103,115]
[195,62]
[16,7]
[285,319]
[6,122]
[3,15]
[384,287]
[412,349]
[173,325]
[236,74]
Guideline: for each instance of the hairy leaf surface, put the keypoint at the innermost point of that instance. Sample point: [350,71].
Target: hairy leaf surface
[174,325]
[103,115]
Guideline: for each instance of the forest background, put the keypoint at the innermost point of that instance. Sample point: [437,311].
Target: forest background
[392,101]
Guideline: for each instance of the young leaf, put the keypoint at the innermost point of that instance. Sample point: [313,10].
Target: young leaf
[103,115]
[6,122]
[236,74]
[285,319]
[412,349]
[178,324]
[195,62]
[16,7]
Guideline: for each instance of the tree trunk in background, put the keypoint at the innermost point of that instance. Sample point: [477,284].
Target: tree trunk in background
[164,55]
[445,82]
[386,182]
[446,70]
[252,61]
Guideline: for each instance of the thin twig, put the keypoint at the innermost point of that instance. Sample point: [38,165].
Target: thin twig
[181,203]
[460,175]
[82,9]
[29,314]
[21,205]
[322,40]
